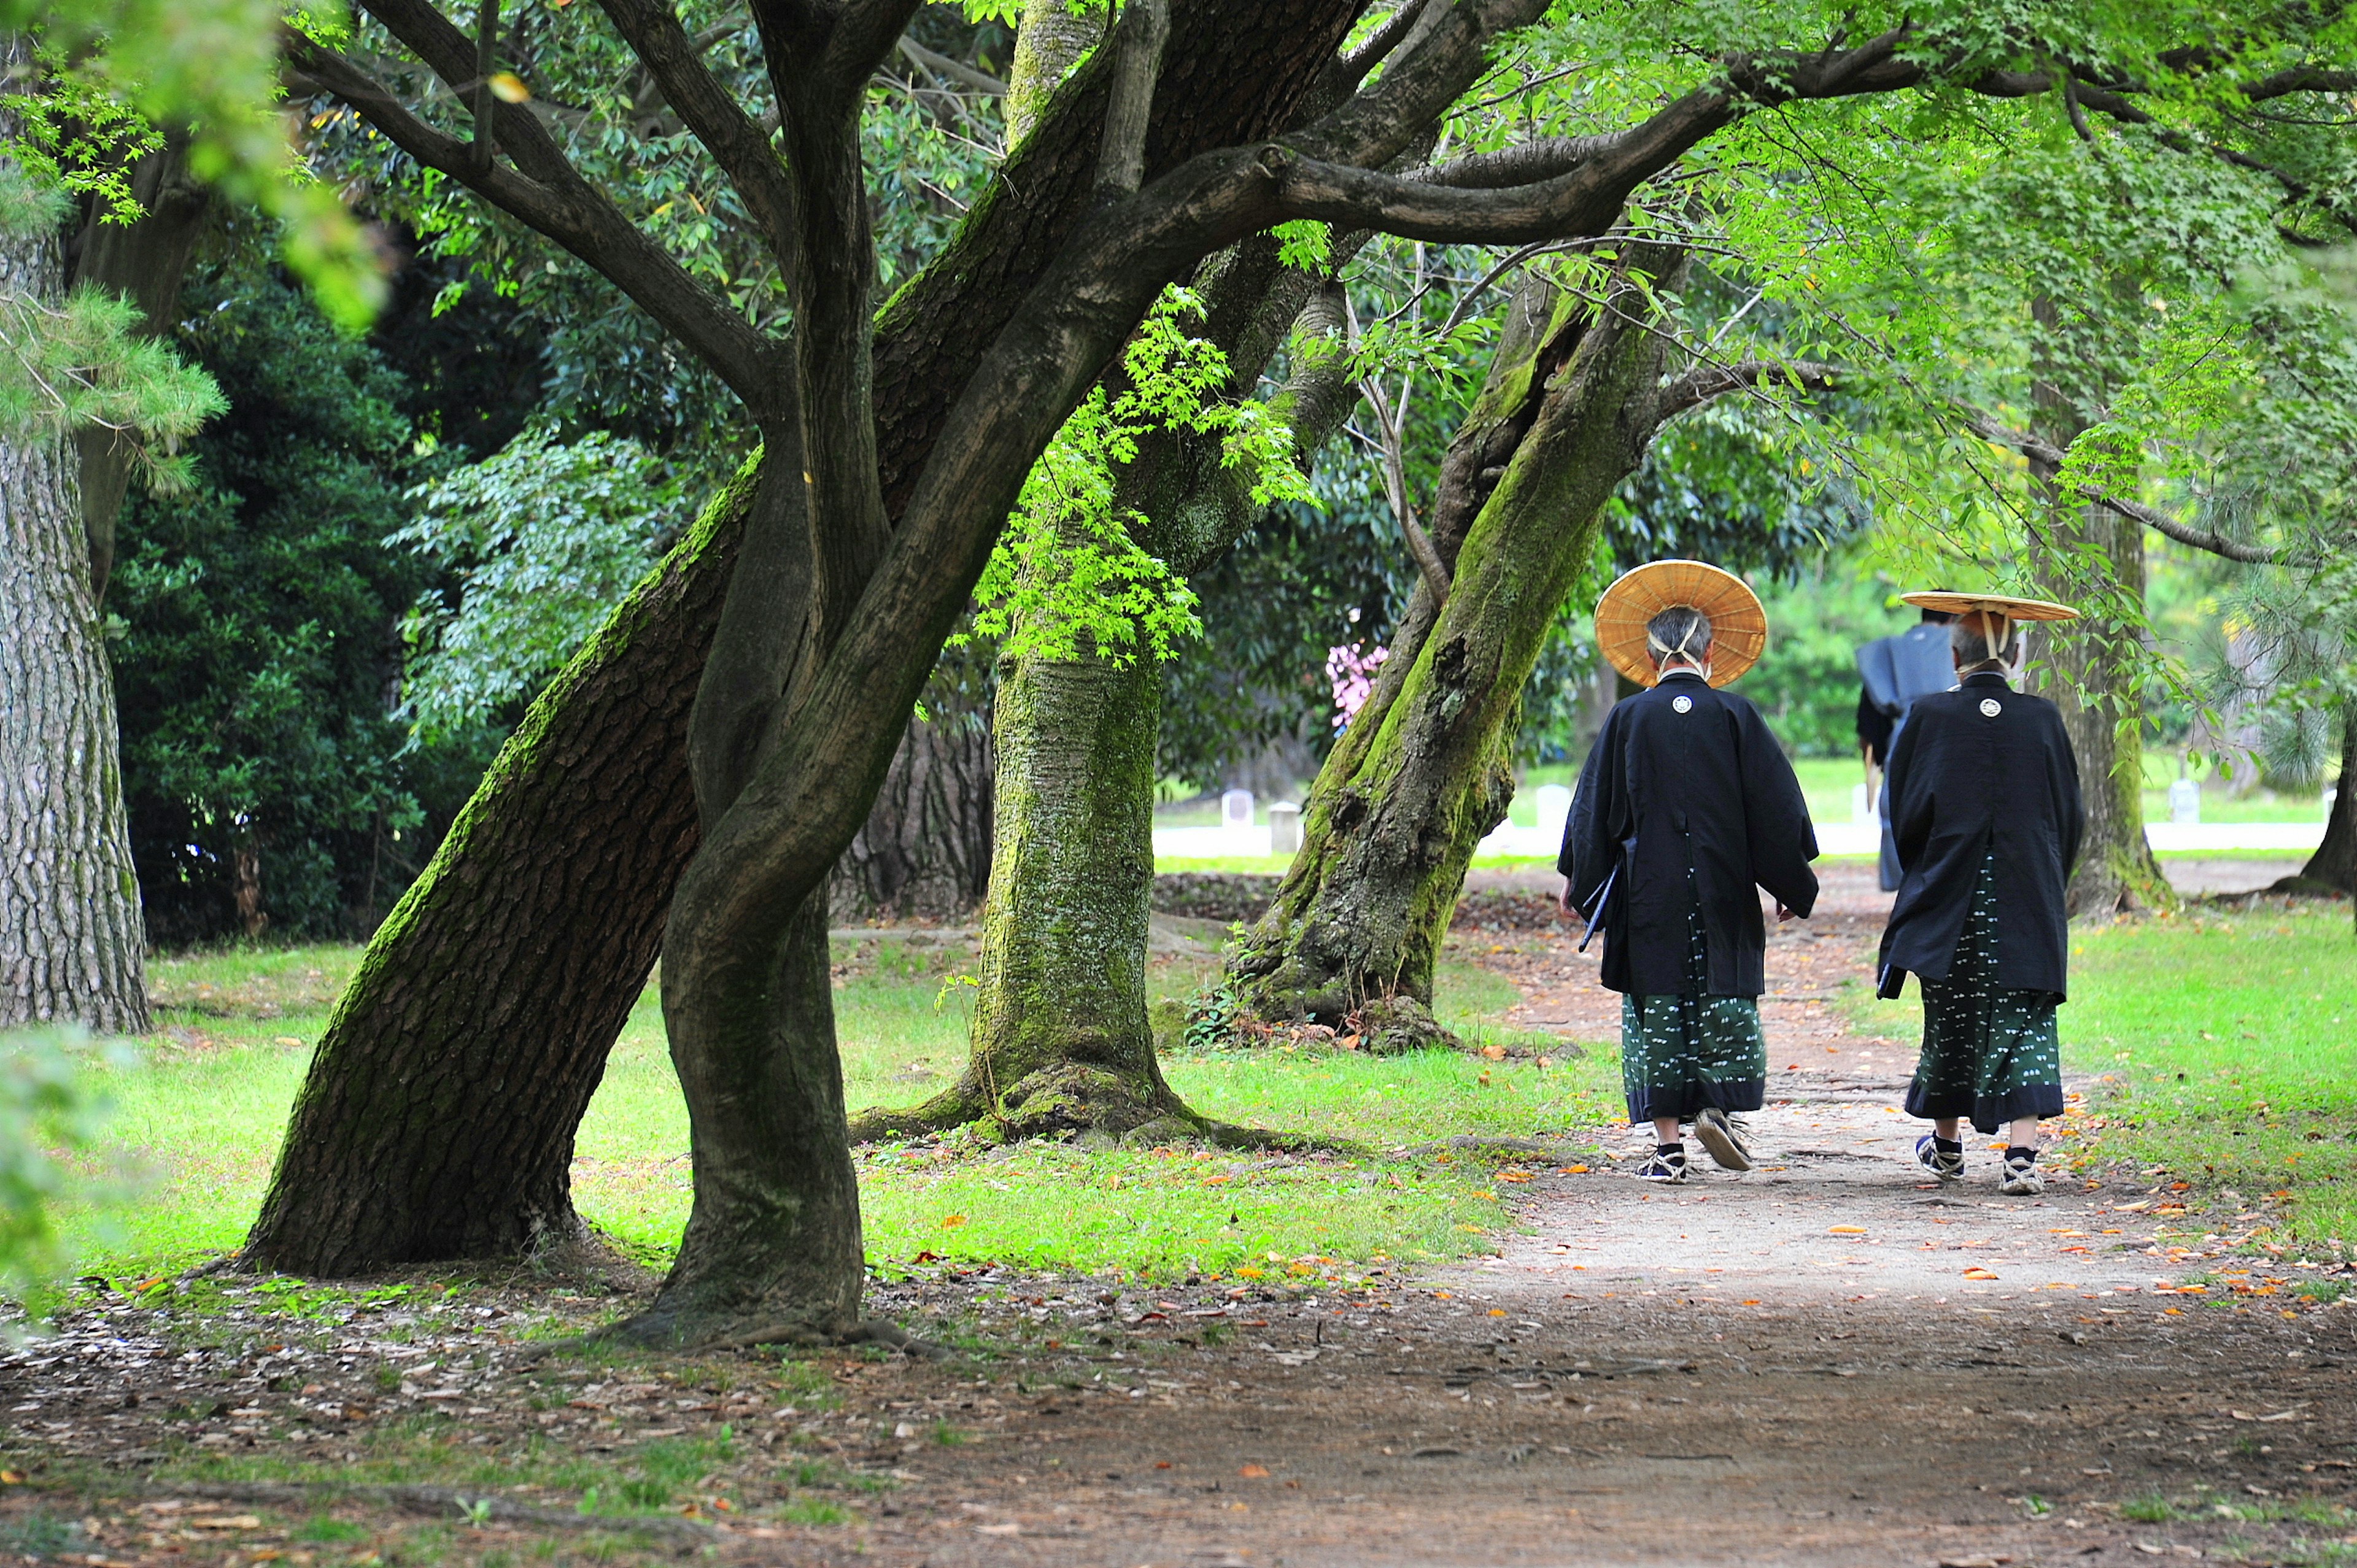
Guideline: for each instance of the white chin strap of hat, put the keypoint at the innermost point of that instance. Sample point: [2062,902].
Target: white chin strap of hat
[1996,632]
[1665,656]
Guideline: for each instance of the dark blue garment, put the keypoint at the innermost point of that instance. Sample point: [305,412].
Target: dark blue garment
[1979,770]
[1689,798]
[1895,671]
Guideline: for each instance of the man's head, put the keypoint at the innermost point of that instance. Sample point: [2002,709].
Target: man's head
[1679,637]
[1968,641]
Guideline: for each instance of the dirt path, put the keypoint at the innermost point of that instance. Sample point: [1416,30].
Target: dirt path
[1822,1362]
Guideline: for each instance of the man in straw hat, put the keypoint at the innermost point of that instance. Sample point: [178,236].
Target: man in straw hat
[1892,672]
[1685,805]
[1984,809]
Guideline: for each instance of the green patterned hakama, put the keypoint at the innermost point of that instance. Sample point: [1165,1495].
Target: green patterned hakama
[1989,1053]
[1682,1054]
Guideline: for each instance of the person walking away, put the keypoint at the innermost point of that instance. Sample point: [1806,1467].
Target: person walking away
[1984,809]
[1685,807]
[1892,672]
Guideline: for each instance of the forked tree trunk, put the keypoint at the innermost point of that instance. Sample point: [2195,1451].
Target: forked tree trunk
[1569,408]
[73,939]
[367,1129]
[437,1117]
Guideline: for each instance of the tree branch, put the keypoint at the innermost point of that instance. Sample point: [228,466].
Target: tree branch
[955,69]
[1121,159]
[573,216]
[487,46]
[1988,428]
[1705,383]
[709,110]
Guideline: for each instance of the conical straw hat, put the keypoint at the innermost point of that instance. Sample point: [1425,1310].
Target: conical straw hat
[1993,611]
[1738,626]
[2005,605]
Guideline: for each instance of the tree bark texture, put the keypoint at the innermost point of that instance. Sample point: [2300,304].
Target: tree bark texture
[925,850]
[2088,660]
[1061,1040]
[437,1117]
[72,939]
[1567,409]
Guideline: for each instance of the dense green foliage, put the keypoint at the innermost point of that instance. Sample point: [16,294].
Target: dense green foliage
[268,780]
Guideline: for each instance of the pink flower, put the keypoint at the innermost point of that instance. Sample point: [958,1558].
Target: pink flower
[1352,673]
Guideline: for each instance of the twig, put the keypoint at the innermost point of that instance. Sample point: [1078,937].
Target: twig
[441,1502]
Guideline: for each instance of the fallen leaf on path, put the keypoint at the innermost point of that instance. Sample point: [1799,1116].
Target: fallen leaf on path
[1847,1230]
[1978,1274]
[1253,1472]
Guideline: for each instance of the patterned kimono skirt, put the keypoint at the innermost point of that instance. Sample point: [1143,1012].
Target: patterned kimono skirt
[1682,1054]
[1989,1053]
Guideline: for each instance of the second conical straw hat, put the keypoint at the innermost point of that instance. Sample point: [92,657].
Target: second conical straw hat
[1738,626]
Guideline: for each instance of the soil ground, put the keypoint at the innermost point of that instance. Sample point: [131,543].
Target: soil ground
[1825,1361]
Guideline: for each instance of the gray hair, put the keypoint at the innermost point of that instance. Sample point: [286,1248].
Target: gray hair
[1968,638]
[1681,631]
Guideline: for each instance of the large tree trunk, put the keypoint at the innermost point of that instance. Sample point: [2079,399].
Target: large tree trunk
[1060,1038]
[438,1114]
[72,940]
[1422,773]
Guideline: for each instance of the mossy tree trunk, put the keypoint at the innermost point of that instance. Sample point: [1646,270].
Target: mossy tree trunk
[1569,408]
[437,1118]
[1061,1041]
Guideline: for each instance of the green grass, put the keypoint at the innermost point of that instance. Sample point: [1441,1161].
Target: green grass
[2218,1047]
[200,1122]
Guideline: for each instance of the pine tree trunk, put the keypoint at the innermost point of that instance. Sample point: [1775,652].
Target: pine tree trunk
[439,1115]
[924,852]
[2118,871]
[1422,774]
[72,940]
[2334,864]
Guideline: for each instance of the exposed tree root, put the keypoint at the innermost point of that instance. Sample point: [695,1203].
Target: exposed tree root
[2303,886]
[1091,1103]
[440,1502]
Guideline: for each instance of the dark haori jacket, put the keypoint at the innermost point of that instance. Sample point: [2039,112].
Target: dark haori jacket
[1689,800]
[1981,765]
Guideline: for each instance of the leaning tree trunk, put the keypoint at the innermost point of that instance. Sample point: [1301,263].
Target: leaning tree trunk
[437,1117]
[377,1089]
[72,940]
[2333,866]
[1421,775]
